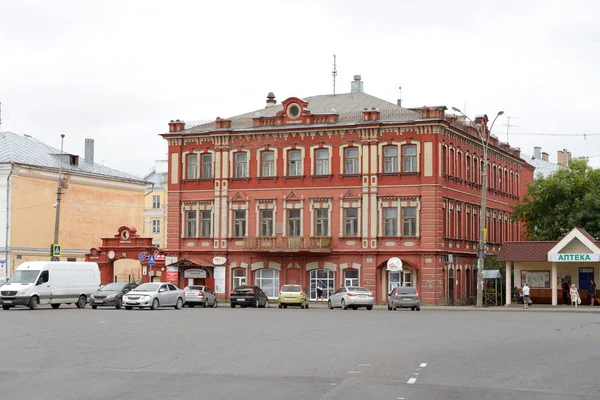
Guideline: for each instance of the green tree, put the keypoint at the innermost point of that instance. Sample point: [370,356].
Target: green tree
[566,199]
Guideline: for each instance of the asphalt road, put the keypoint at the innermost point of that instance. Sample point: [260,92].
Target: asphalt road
[278,354]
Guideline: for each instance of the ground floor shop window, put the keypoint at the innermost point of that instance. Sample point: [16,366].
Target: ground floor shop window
[402,278]
[351,277]
[239,277]
[268,281]
[323,278]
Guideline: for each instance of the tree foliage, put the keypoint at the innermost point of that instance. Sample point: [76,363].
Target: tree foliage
[566,199]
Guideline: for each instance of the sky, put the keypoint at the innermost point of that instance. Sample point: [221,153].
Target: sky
[118,71]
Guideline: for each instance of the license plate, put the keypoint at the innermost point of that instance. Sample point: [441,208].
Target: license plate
[290,298]
[7,302]
[241,299]
[99,301]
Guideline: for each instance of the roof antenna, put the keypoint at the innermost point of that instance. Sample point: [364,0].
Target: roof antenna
[334,74]
[400,98]
[508,126]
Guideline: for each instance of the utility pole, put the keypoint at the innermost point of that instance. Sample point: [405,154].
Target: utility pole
[508,126]
[58,193]
[334,74]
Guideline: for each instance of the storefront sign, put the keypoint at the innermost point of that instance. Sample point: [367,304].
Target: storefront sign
[394,264]
[569,257]
[218,260]
[173,277]
[172,269]
[194,273]
[219,279]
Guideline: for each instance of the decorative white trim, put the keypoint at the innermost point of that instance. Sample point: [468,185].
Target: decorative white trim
[342,155]
[302,150]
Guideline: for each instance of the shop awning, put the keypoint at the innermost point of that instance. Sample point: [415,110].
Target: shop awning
[492,274]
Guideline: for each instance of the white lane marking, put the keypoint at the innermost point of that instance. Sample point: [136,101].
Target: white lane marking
[423,365]
[333,384]
[399,398]
[354,372]
[364,365]
[416,373]
[411,381]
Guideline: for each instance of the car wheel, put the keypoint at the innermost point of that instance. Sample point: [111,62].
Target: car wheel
[285,306]
[55,306]
[33,303]
[369,308]
[119,303]
[4,307]
[232,305]
[418,308]
[267,303]
[256,303]
[330,305]
[302,306]
[81,302]
[412,309]
[179,304]
[280,306]
[128,308]
[155,304]
[306,306]
[389,307]
[344,307]
[93,307]
[205,303]
[215,303]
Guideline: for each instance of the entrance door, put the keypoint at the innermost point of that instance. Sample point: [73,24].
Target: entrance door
[401,278]
[451,287]
[326,279]
[585,276]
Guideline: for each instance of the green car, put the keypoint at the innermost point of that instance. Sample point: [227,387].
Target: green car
[293,295]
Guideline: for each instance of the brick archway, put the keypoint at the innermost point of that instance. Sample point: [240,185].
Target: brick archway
[126,244]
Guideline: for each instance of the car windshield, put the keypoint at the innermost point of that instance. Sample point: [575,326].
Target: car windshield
[358,289]
[113,287]
[244,289]
[407,290]
[194,287]
[147,287]
[24,276]
[293,289]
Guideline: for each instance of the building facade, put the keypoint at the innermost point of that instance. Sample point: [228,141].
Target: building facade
[325,190]
[155,205]
[95,200]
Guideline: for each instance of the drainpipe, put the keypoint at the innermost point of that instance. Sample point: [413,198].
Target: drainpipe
[144,223]
[12,166]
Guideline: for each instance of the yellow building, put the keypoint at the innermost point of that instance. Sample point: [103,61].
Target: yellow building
[95,201]
[155,204]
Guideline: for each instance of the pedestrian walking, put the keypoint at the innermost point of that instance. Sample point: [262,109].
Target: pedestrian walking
[592,292]
[565,290]
[526,298]
[574,295]
[319,292]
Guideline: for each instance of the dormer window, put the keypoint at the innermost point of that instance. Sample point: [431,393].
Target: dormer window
[293,111]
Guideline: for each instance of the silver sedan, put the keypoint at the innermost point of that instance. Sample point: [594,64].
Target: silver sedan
[200,295]
[154,295]
[351,297]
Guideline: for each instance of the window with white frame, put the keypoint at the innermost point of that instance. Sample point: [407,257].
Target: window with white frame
[294,163]
[192,166]
[205,222]
[156,201]
[350,277]
[322,162]
[266,223]
[155,226]
[239,277]
[241,165]
[267,163]
[390,221]
[351,222]
[390,159]
[239,223]
[321,222]
[207,172]
[268,281]
[409,158]
[190,218]
[409,221]
[293,222]
[351,160]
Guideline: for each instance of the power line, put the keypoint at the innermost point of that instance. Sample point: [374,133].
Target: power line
[584,135]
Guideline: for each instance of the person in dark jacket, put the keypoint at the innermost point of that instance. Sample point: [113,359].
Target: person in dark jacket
[592,292]
[565,290]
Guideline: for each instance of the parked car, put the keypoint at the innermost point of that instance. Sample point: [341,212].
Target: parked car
[404,297]
[154,295]
[111,295]
[200,295]
[351,297]
[245,296]
[293,295]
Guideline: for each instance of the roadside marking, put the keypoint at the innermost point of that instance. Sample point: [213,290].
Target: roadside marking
[364,365]
[423,365]
[354,372]
[411,381]
[416,373]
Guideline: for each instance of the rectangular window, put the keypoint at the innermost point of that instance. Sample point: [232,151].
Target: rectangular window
[266,223]
[192,166]
[155,226]
[390,221]
[239,223]
[294,163]
[293,222]
[267,160]
[390,159]
[322,162]
[322,222]
[155,201]
[351,160]
[409,221]
[205,220]
[241,160]
[409,158]
[207,166]
[351,222]
[190,223]
[239,277]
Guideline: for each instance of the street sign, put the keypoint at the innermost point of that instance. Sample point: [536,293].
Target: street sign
[56,250]
[142,256]
[55,258]
[151,259]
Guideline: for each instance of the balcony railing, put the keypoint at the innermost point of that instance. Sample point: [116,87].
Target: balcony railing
[319,243]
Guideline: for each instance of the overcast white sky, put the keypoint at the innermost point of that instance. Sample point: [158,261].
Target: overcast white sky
[118,71]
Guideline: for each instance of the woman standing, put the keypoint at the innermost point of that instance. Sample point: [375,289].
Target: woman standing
[574,295]
[592,292]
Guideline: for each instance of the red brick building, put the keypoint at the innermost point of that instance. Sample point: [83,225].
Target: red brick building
[328,188]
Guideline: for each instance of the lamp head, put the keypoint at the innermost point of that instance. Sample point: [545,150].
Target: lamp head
[455,109]
[500,113]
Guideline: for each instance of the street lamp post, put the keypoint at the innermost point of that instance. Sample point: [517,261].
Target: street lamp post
[485,141]
[58,191]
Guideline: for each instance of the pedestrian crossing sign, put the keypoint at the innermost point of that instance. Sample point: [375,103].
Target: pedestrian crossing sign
[56,250]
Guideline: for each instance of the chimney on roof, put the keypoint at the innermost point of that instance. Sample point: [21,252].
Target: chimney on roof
[271,100]
[357,85]
[537,153]
[564,158]
[89,151]
[544,156]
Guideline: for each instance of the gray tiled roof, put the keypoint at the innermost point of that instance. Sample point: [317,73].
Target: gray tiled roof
[156,178]
[545,168]
[348,106]
[22,150]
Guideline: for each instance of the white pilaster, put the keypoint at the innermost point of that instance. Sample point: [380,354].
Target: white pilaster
[554,284]
[508,282]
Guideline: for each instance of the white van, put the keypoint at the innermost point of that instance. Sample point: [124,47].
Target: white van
[50,282]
